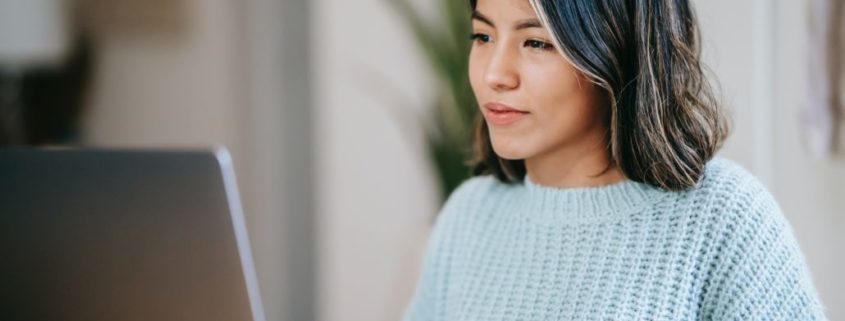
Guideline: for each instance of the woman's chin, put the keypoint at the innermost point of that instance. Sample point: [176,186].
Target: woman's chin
[510,152]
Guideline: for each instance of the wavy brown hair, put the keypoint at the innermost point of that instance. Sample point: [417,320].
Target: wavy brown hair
[664,121]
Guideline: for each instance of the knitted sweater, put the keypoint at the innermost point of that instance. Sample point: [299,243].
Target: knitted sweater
[626,251]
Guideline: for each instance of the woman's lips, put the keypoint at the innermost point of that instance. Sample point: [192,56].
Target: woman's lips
[502,115]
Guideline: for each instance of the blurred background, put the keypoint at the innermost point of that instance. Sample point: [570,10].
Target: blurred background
[347,120]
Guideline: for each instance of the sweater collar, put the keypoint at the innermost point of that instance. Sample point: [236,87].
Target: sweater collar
[585,203]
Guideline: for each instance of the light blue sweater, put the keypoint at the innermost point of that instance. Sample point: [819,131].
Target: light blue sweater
[626,251]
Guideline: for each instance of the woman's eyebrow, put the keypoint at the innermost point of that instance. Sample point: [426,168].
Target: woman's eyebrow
[528,23]
[522,24]
[480,17]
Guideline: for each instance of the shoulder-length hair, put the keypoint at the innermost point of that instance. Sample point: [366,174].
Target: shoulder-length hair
[664,121]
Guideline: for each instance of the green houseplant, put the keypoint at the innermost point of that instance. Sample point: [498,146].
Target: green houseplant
[445,44]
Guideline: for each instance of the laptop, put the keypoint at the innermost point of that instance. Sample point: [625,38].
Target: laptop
[123,235]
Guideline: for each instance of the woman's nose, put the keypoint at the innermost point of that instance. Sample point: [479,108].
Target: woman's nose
[501,73]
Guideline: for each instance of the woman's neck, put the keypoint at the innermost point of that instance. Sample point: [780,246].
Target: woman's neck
[573,166]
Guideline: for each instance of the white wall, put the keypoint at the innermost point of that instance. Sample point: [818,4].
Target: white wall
[811,191]
[171,87]
[376,193]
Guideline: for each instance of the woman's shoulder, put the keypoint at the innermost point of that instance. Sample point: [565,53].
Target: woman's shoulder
[732,191]
[757,248]
[727,178]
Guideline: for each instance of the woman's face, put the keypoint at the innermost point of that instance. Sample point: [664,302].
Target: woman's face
[514,64]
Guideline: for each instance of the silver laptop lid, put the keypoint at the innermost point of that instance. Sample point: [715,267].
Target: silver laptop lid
[123,235]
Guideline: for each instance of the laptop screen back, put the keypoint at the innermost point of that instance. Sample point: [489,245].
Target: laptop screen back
[123,235]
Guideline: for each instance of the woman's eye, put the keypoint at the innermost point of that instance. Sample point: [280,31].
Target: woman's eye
[537,44]
[479,37]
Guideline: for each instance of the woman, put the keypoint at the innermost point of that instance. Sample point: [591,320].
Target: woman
[596,193]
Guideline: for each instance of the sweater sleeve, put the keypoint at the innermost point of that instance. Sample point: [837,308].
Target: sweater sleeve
[761,273]
[430,296]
